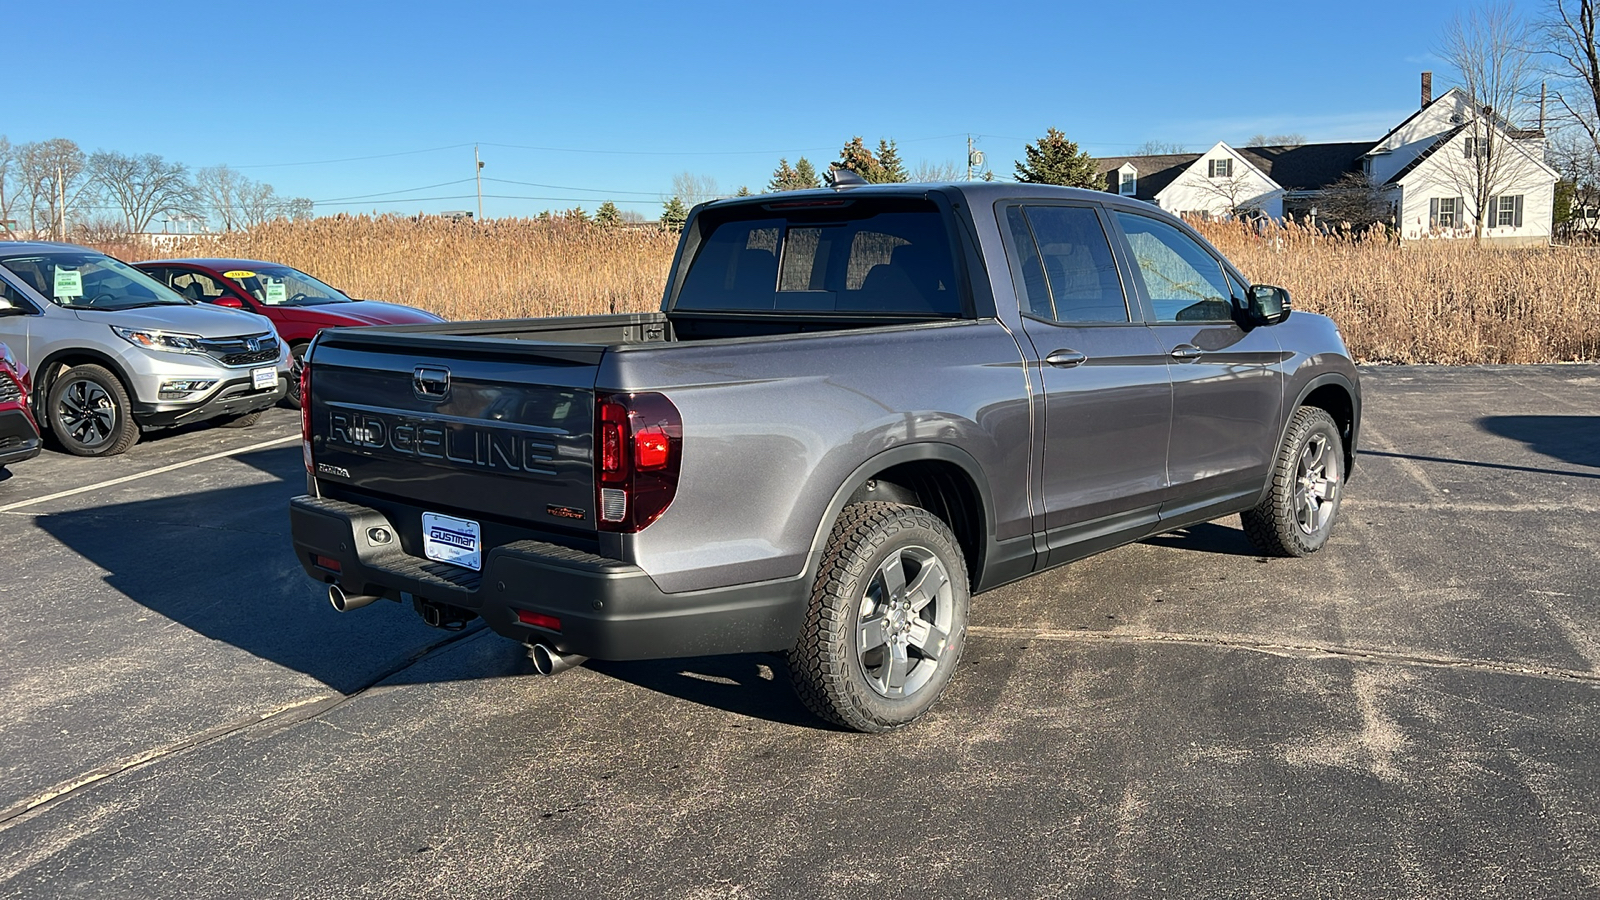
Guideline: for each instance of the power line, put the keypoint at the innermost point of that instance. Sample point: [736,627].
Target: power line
[564,187]
[780,151]
[425,187]
[324,162]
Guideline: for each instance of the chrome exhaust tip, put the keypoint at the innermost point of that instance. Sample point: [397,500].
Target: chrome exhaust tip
[549,661]
[345,602]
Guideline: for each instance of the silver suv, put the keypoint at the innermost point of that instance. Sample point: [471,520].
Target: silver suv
[112,349]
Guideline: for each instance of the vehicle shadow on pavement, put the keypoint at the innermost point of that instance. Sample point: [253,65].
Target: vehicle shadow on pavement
[1207,537]
[1571,439]
[220,563]
[755,685]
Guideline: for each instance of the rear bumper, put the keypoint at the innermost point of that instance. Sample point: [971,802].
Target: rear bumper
[607,609]
[233,398]
[19,440]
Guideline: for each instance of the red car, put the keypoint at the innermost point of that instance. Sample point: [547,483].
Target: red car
[298,305]
[19,434]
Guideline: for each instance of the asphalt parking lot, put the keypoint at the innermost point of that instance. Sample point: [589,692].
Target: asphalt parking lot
[1414,712]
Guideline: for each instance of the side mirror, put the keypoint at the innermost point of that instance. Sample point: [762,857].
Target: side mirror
[1269,305]
[9,307]
[229,301]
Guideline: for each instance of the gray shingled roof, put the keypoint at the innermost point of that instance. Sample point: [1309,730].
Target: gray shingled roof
[1155,172]
[1307,167]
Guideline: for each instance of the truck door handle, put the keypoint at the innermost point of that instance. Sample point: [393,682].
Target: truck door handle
[1066,359]
[1187,352]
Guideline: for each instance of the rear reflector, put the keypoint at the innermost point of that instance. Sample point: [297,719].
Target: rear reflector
[323,562]
[538,620]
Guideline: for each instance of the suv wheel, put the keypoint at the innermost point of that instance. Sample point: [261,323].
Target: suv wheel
[297,354]
[89,413]
[887,620]
[1298,512]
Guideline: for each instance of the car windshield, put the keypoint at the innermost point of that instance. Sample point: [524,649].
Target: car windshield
[83,279]
[283,286]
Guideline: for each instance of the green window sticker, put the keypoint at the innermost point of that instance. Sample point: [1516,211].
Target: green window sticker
[69,283]
[276,291]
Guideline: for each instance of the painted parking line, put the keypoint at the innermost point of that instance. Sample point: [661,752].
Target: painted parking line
[138,475]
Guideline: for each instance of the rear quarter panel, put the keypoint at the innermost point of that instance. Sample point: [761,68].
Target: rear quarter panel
[774,427]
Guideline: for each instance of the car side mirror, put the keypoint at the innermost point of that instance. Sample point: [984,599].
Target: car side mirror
[1269,305]
[9,307]
[229,302]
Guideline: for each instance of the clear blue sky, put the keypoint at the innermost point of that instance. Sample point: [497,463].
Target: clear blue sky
[719,90]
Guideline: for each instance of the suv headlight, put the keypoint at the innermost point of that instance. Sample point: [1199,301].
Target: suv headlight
[160,340]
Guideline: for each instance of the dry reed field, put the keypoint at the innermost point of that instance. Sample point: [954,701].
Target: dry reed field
[1433,302]
[1443,301]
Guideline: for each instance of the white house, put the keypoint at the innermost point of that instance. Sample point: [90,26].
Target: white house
[1437,169]
[1447,160]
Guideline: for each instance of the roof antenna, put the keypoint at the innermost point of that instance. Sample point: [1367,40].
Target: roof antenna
[845,179]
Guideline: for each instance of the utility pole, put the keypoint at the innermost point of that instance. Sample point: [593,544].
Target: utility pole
[969,156]
[61,206]
[480,180]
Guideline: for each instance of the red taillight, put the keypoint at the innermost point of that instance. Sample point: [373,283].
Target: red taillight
[305,414]
[640,445]
[652,449]
[538,620]
[326,562]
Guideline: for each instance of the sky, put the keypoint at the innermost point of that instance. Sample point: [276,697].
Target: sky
[377,106]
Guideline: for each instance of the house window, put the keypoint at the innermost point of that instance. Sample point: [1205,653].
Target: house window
[1475,148]
[1506,215]
[1447,213]
[1130,184]
[1219,168]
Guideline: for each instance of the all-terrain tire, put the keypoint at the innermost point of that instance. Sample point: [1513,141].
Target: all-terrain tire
[88,412]
[1301,505]
[890,599]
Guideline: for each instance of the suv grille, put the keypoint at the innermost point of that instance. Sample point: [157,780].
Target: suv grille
[10,391]
[237,351]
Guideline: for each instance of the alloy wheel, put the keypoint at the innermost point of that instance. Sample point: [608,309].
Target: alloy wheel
[903,622]
[87,413]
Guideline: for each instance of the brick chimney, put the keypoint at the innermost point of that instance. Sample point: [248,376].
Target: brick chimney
[1427,88]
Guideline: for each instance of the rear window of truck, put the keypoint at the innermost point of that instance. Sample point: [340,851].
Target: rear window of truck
[871,256]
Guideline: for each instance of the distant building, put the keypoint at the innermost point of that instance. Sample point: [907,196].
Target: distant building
[1427,168]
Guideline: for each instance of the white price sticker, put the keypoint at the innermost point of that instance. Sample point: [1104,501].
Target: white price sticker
[277,292]
[69,283]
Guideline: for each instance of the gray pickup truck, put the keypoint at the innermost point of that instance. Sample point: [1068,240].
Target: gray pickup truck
[855,409]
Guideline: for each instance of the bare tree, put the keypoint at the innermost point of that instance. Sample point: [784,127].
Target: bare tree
[693,189]
[1354,201]
[927,172]
[142,187]
[1574,62]
[8,194]
[1276,140]
[1240,190]
[221,189]
[1160,148]
[50,178]
[1492,52]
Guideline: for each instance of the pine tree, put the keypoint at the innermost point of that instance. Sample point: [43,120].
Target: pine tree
[857,158]
[783,177]
[674,214]
[608,216]
[576,215]
[805,175]
[890,169]
[744,191]
[1056,160]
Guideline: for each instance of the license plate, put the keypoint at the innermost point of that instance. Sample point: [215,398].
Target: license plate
[264,378]
[447,539]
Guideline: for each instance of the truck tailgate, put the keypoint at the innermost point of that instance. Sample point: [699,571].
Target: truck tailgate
[462,425]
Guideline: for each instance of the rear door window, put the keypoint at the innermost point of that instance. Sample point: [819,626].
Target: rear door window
[1068,272]
[865,257]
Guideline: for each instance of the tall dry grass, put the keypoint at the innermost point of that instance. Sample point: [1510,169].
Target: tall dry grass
[1443,301]
[1433,302]
[504,268]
